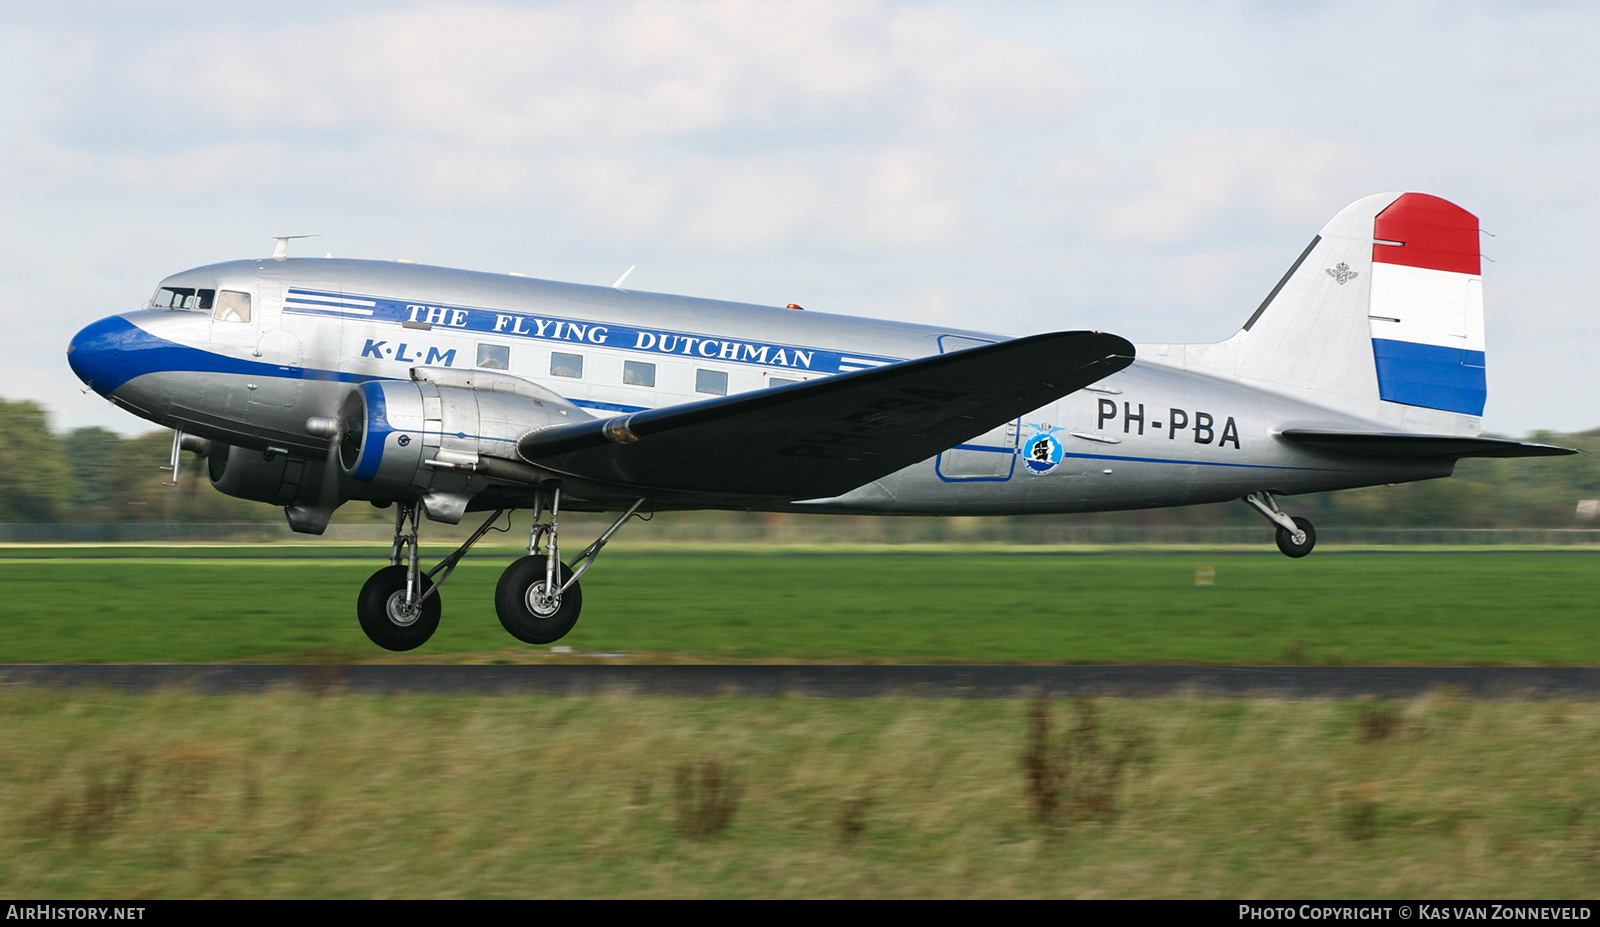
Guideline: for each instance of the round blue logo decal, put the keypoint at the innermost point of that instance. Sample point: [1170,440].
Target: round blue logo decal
[1041,453]
[403,440]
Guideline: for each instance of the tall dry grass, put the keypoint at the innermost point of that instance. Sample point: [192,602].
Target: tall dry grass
[330,795]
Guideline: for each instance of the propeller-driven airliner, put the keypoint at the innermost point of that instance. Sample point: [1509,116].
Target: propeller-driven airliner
[307,383]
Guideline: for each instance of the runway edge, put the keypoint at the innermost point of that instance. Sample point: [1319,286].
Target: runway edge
[822,681]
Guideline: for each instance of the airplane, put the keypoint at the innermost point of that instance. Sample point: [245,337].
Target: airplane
[307,383]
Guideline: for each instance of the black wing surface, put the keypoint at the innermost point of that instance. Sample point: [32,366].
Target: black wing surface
[827,436]
[1400,446]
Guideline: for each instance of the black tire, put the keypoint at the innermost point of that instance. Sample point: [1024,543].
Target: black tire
[518,614]
[388,629]
[1286,540]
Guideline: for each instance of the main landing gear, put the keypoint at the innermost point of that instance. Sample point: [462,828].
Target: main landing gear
[1296,536]
[538,598]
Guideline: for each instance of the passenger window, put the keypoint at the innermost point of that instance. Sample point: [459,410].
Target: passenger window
[714,382]
[232,306]
[638,373]
[495,356]
[566,365]
[779,381]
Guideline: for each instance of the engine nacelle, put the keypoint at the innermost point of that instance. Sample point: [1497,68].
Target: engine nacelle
[428,438]
[263,476]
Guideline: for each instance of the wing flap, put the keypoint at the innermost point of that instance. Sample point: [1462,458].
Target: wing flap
[1400,446]
[825,437]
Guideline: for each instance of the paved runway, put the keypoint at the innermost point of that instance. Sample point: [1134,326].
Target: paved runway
[825,681]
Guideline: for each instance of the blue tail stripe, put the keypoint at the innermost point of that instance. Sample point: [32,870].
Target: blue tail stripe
[1449,379]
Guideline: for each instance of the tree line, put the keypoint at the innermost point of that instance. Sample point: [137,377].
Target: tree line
[96,475]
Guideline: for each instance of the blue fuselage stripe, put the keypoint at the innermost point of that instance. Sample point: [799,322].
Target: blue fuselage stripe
[606,406]
[1190,463]
[123,351]
[386,314]
[113,351]
[1160,460]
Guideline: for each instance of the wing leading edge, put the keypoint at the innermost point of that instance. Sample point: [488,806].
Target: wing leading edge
[826,437]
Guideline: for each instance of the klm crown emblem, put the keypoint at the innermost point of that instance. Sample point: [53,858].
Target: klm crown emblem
[1342,273]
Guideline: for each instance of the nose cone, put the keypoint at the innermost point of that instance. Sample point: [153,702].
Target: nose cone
[99,354]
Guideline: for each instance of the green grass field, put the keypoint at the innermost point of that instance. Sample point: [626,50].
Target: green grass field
[304,795]
[296,603]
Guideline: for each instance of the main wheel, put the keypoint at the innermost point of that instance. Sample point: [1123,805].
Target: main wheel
[382,610]
[526,611]
[1286,540]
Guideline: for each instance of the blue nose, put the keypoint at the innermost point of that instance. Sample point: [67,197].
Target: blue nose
[101,354]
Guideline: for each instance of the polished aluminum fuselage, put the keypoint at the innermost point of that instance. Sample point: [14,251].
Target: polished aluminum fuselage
[1151,435]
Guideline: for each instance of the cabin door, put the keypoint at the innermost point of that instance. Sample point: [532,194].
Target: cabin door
[991,456]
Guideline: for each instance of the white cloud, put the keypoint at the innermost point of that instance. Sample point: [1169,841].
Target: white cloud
[1147,168]
[1272,173]
[484,74]
[1582,113]
[730,125]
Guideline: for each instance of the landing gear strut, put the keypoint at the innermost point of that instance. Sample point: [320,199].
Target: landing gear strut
[399,606]
[1296,536]
[538,598]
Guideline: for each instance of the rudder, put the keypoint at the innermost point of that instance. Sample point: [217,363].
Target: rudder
[1427,305]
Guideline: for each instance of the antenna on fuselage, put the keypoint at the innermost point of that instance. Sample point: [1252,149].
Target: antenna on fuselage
[618,284]
[281,252]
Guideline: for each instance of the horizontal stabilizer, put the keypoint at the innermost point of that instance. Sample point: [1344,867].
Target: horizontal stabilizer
[1405,446]
[827,436]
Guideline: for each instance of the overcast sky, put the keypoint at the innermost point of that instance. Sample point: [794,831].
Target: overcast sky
[1145,169]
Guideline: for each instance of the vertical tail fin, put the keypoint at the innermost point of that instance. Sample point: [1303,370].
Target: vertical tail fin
[1381,316]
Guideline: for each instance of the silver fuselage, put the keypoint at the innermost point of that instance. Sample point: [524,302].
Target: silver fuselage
[1151,435]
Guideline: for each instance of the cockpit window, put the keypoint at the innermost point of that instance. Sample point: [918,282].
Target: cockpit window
[232,306]
[181,297]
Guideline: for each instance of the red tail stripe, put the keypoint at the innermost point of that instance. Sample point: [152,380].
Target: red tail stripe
[1437,233]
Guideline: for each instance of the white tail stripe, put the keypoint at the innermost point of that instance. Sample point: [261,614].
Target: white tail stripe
[1435,307]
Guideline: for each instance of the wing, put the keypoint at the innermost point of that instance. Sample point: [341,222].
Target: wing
[1404,446]
[827,436]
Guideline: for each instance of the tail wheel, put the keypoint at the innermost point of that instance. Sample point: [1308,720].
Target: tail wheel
[1286,542]
[529,611]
